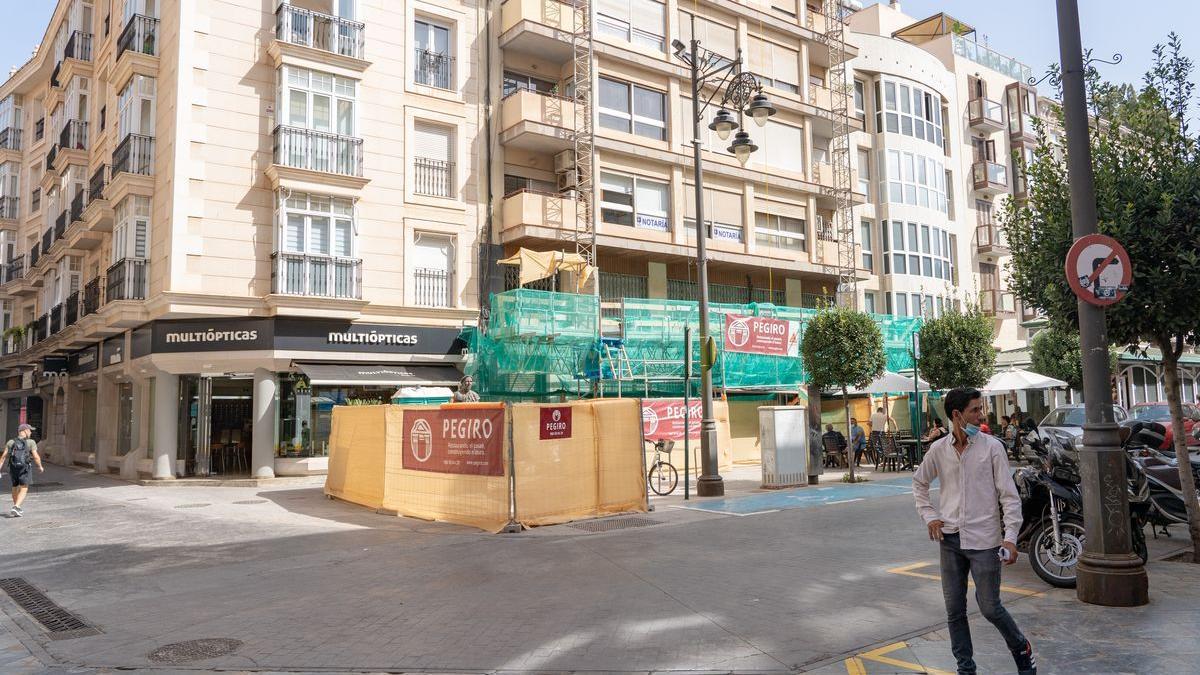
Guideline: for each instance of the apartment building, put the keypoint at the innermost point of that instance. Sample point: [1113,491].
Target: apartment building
[947,121]
[769,223]
[219,219]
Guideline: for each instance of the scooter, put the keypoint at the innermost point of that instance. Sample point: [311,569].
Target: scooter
[1053,533]
[1162,477]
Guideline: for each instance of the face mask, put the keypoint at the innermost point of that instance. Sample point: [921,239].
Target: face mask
[971,429]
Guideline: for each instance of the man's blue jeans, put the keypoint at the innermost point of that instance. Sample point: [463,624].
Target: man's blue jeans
[984,568]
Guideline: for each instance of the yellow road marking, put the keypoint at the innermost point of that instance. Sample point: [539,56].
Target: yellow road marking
[910,571]
[854,666]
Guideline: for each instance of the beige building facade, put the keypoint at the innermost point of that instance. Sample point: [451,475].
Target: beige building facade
[222,218]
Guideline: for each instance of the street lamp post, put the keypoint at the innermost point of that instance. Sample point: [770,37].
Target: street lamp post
[1108,573]
[741,91]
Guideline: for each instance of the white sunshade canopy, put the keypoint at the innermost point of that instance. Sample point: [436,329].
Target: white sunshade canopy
[1018,379]
[891,382]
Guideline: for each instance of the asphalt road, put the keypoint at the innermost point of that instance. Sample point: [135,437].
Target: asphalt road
[775,582]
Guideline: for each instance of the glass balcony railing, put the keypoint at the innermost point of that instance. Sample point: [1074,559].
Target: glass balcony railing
[989,58]
[985,112]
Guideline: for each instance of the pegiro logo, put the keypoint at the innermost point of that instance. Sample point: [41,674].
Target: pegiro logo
[649,420]
[556,415]
[421,438]
[739,333]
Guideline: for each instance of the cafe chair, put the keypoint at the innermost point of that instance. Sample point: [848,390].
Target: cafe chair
[835,456]
[893,455]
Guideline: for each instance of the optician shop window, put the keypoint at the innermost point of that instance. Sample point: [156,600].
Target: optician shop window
[306,412]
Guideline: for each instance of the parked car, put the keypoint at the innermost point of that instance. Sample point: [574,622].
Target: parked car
[1159,412]
[1066,424]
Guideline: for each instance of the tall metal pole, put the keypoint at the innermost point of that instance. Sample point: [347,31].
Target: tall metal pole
[1109,573]
[710,483]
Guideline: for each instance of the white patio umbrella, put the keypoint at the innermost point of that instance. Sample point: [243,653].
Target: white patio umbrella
[890,382]
[1017,379]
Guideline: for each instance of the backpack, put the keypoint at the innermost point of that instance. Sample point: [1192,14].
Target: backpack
[21,455]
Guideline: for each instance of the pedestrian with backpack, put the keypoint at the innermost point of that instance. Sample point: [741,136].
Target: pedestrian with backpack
[22,455]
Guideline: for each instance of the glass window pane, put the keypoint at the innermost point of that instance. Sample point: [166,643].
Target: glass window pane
[318,236]
[341,239]
[297,108]
[294,234]
[322,120]
[345,119]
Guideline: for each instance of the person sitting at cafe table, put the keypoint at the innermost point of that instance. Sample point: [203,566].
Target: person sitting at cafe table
[934,431]
[838,438]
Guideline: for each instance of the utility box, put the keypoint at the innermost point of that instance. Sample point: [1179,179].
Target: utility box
[783,437]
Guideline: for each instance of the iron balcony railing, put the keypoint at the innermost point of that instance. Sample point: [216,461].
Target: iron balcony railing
[433,177]
[315,275]
[71,310]
[15,269]
[60,224]
[79,46]
[93,297]
[74,135]
[96,184]
[434,69]
[432,287]
[318,151]
[10,139]
[51,155]
[76,208]
[48,235]
[135,154]
[35,200]
[39,129]
[10,208]
[126,280]
[34,255]
[300,26]
[56,317]
[140,35]
[54,75]
[39,328]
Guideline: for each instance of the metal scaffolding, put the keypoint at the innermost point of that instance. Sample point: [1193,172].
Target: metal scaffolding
[843,212]
[584,232]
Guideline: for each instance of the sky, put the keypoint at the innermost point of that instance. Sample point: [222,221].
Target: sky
[1024,29]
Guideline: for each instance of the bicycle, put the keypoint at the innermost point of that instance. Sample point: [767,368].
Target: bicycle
[662,477]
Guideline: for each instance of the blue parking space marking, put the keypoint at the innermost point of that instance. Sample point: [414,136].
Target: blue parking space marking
[799,498]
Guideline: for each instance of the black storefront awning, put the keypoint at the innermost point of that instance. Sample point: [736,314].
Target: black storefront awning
[391,375]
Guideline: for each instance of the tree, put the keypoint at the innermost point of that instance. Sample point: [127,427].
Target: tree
[843,348]
[956,350]
[1055,353]
[1147,171]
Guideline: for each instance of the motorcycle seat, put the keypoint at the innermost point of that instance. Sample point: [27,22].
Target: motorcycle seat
[1168,475]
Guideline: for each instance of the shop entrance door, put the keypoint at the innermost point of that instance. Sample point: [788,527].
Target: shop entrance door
[124,418]
[215,419]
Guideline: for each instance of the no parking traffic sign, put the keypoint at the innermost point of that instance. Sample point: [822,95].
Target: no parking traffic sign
[1099,270]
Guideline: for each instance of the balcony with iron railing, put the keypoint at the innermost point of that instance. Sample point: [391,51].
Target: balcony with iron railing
[14,269]
[996,303]
[51,155]
[39,328]
[79,46]
[316,275]
[48,237]
[318,151]
[432,287]
[56,315]
[304,27]
[35,200]
[10,208]
[140,35]
[96,184]
[126,280]
[71,310]
[93,297]
[35,254]
[74,136]
[985,114]
[433,69]
[135,155]
[77,204]
[433,177]
[989,177]
[39,129]
[10,139]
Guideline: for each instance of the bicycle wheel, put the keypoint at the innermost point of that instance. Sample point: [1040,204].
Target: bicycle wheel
[662,478]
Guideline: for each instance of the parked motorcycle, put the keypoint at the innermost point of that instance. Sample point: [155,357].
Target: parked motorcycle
[1053,533]
[1161,473]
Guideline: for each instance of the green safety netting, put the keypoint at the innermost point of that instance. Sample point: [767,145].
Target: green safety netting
[541,344]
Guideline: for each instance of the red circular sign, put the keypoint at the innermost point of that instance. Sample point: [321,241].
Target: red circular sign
[1098,269]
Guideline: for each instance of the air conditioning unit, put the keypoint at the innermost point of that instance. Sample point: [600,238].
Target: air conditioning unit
[567,181]
[564,162]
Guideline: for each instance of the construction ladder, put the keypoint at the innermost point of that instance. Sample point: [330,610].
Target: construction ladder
[843,213]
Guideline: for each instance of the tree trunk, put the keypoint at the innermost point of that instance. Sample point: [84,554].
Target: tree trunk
[850,436]
[1174,403]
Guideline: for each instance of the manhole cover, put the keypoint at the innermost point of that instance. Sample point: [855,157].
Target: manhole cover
[191,506]
[194,650]
[251,501]
[59,623]
[614,524]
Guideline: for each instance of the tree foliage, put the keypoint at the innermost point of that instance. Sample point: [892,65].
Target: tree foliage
[1055,353]
[842,348]
[956,350]
[1147,176]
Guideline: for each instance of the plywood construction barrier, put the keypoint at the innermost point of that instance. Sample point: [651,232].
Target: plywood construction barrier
[490,465]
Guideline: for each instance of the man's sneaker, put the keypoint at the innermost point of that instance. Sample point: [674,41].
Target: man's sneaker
[1025,660]
[16,512]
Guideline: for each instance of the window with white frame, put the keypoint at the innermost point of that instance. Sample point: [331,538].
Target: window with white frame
[918,250]
[69,279]
[775,65]
[316,225]
[432,150]
[634,201]
[866,240]
[860,100]
[641,22]
[869,303]
[433,63]
[432,263]
[913,179]
[311,99]
[713,36]
[633,109]
[864,171]
[131,229]
[780,232]
[910,109]
[135,106]
[779,147]
[10,182]
[143,7]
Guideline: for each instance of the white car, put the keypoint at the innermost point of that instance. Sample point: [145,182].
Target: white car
[1065,423]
